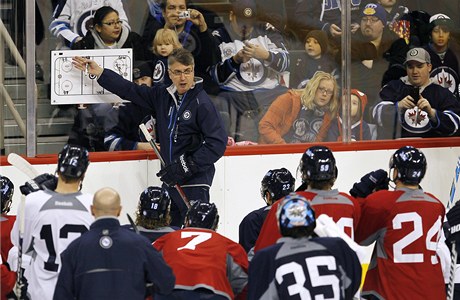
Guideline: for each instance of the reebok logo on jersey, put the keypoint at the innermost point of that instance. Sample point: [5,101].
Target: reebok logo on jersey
[63,203]
[454,229]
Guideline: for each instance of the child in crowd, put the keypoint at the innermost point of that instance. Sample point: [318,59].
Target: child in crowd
[359,128]
[315,58]
[164,43]
[444,62]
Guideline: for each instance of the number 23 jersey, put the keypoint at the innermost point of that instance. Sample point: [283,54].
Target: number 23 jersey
[202,258]
[52,222]
[406,226]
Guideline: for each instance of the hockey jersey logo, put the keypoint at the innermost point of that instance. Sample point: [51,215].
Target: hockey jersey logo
[253,72]
[159,71]
[149,122]
[446,77]
[416,120]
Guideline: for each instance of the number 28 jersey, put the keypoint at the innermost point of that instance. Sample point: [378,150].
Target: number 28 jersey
[202,258]
[52,221]
[406,226]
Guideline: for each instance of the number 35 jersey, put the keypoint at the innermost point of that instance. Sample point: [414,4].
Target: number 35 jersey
[52,221]
[202,258]
[305,268]
[406,226]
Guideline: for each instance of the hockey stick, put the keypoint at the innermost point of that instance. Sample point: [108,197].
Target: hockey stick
[453,267]
[19,277]
[22,165]
[148,137]
[136,230]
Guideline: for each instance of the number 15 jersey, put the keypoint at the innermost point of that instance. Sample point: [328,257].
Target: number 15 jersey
[51,222]
[406,226]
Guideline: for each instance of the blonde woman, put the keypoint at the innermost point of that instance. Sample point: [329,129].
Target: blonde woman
[301,116]
[163,44]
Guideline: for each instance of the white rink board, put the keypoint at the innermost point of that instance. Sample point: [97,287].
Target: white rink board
[72,86]
[236,187]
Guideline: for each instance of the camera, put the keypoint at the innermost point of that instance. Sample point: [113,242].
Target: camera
[184,14]
[415,93]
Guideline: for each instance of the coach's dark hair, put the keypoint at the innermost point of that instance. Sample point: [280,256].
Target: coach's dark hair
[182,56]
[101,13]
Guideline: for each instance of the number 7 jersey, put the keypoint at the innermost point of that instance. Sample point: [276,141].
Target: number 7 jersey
[52,221]
[406,226]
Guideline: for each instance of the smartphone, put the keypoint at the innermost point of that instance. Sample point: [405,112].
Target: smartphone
[415,93]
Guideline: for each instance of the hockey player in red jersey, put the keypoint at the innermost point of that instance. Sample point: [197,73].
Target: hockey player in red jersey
[406,226]
[206,264]
[319,172]
[300,266]
[6,224]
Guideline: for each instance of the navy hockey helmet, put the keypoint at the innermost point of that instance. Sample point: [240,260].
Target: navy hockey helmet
[73,161]
[278,183]
[154,203]
[6,191]
[318,164]
[295,212]
[202,215]
[410,163]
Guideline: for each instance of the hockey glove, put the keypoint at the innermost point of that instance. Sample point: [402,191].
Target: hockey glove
[453,218]
[41,182]
[178,171]
[369,183]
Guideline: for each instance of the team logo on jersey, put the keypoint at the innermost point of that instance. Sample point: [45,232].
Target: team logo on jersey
[252,72]
[188,41]
[84,22]
[446,77]
[159,71]
[105,242]
[416,120]
[187,115]
[149,123]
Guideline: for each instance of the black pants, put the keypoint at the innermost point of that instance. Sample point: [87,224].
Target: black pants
[179,208]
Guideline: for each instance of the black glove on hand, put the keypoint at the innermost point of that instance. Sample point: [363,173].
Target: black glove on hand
[373,181]
[41,182]
[178,171]
[453,218]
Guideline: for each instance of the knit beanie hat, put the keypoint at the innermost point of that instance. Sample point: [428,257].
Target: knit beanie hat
[321,37]
[376,10]
[362,99]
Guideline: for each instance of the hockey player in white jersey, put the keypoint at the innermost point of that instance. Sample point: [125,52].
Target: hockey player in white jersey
[53,219]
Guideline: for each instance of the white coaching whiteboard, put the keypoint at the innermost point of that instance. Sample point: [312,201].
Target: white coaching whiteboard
[72,86]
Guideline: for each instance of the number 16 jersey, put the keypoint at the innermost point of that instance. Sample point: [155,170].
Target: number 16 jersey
[406,226]
[51,222]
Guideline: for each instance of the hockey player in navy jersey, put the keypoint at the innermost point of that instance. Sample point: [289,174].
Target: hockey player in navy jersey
[300,266]
[276,184]
[53,220]
[152,215]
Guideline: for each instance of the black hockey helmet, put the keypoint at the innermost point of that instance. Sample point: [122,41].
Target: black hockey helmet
[73,161]
[410,163]
[154,203]
[202,215]
[318,164]
[278,183]
[6,192]
[294,213]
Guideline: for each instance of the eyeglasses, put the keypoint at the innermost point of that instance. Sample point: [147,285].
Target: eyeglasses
[113,23]
[186,72]
[325,90]
[371,20]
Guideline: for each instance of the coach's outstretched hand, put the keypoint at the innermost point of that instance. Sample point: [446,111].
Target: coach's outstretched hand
[453,218]
[178,171]
[41,182]
[369,183]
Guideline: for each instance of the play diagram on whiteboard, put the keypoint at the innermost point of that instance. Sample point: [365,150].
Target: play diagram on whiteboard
[72,86]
